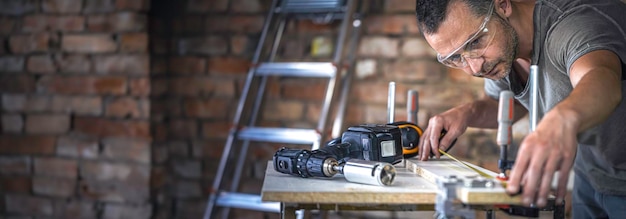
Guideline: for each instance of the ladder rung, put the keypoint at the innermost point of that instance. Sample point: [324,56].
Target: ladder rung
[280,135]
[297,69]
[246,201]
[304,6]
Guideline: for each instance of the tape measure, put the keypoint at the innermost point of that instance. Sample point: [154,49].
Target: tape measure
[480,172]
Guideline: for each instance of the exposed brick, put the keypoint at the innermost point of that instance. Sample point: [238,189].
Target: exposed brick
[249,6]
[12,123]
[379,46]
[83,85]
[135,5]
[187,189]
[137,150]
[62,6]
[35,23]
[178,148]
[216,129]
[199,86]
[111,191]
[187,168]
[47,123]
[79,105]
[122,64]
[211,108]
[70,23]
[37,103]
[432,96]
[207,6]
[6,25]
[14,102]
[369,93]
[15,165]
[38,42]
[75,209]
[102,127]
[182,129]
[283,110]
[73,63]
[187,65]
[191,24]
[228,65]
[27,144]
[18,7]
[412,70]
[99,6]
[15,184]
[128,107]
[140,86]
[399,6]
[28,205]
[92,43]
[17,83]
[365,68]
[51,186]
[11,64]
[56,167]
[134,42]
[133,174]
[240,44]
[121,212]
[211,45]
[208,148]
[310,27]
[310,89]
[417,48]
[235,24]
[122,21]
[77,146]
[40,64]
[391,24]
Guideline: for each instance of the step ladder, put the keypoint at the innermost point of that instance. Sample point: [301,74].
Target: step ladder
[279,14]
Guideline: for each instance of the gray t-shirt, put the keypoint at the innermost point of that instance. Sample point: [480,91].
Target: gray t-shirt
[566,30]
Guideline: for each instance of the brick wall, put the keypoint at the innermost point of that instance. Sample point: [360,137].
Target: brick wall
[75,140]
[121,108]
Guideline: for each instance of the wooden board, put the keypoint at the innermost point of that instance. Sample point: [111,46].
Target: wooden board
[438,168]
[407,188]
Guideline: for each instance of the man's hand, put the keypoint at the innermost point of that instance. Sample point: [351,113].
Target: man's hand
[454,121]
[550,148]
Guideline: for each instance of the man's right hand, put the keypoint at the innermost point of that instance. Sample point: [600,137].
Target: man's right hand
[453,121]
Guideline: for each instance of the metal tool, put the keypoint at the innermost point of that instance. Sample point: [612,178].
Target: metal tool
[391,102]
[505,133]
[411,106]
[326,163]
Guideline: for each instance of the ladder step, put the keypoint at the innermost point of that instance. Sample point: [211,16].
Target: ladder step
[246,201]
[297,69]
[280,135]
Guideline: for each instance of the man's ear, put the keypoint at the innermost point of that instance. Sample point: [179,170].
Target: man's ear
[503,7]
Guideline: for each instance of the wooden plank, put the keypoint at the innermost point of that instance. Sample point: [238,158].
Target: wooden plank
[407,188]
[439,168]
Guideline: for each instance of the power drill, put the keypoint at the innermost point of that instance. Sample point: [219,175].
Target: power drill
[325,163]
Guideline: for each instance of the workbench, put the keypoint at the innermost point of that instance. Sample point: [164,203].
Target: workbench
[409,191]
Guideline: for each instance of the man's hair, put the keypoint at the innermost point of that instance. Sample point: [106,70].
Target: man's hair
[430,13]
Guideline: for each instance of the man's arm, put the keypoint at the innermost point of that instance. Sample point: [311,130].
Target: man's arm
[596,78]
[480,114]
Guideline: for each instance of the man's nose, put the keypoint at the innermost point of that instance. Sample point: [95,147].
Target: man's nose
[475,65]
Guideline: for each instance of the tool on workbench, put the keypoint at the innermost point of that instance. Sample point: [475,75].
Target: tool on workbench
[505,134]
[328,161]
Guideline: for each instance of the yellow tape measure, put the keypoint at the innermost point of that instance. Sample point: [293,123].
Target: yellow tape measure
[480,172]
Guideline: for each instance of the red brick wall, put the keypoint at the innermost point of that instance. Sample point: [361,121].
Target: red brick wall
[121,108]
[74,84]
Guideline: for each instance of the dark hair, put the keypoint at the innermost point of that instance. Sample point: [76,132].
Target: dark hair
[430,13]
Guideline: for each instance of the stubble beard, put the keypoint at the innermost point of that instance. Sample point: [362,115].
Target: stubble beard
[506,60]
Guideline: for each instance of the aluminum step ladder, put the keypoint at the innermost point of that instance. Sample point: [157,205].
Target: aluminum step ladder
[280,13]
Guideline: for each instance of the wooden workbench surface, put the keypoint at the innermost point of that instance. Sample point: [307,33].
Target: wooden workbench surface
[414,184]
[407,188]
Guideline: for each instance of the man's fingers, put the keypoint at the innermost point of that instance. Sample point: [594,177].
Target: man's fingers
[546,183]
[517,172]
[563,178]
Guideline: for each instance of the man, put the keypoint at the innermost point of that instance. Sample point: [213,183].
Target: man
[580,49]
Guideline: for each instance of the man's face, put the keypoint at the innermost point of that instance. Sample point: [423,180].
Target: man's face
[482,46]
